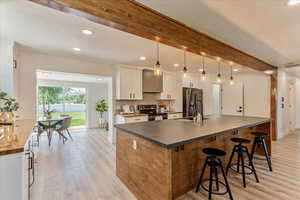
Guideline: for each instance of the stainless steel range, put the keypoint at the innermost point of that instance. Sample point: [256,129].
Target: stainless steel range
[151,110]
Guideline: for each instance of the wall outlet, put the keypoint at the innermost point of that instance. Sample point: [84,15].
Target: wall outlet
[134,144]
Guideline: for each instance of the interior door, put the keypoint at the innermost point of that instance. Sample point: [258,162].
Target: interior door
[233,99]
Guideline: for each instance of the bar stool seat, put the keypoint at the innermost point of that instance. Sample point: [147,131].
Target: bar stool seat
[214,162]
[214,152]
[240,140]
[259,134]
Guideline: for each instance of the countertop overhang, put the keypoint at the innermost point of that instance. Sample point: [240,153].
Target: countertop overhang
[15,137]
[172,133]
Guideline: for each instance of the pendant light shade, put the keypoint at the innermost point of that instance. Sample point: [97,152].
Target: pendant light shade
[219,78]
[231,81]
[185,70]
[157,66]
[203,76]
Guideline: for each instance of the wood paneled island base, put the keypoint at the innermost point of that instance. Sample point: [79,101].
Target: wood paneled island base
[155,172]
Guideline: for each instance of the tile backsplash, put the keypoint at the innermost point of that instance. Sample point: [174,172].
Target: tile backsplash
[148,98]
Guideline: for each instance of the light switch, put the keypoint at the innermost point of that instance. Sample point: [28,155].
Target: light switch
[134,144]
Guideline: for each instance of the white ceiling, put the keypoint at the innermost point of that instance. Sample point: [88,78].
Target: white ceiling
[52,32]
[267,29]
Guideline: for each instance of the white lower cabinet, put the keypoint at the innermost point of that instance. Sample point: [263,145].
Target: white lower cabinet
[174,115]
[124,120]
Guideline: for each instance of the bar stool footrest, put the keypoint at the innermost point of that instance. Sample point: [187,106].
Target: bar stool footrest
[214,182]
[240,172]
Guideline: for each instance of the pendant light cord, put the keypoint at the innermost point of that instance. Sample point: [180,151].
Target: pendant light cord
[203,63]
[157,51]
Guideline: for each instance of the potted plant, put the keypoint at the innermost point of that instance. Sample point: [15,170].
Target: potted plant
[8,106]
[102,107]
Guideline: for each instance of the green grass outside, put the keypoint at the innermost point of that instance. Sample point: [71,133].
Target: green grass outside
[78,118]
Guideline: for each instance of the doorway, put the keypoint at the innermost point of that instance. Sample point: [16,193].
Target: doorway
[291,108]
[216,93]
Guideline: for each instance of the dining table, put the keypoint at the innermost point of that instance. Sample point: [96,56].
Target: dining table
[49,124]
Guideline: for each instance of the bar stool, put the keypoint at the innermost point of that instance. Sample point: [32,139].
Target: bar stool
[214,162]
[260,140]
[240,149]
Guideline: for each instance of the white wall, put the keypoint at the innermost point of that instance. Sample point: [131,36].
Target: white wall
[95,92]
[284,80]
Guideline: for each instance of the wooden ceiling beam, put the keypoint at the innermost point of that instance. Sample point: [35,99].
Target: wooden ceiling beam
[132,17]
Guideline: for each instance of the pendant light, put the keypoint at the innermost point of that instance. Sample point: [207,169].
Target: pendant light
[157,67]
[219,79]
[184,66]
[231,82]
[203,77]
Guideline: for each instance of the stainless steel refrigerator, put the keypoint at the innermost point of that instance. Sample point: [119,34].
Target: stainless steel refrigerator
[192,102]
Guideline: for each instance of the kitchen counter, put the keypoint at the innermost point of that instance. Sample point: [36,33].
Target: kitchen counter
[172,133]
[134,115]
[166,156]
[13,138]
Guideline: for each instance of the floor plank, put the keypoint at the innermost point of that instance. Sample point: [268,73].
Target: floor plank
[84,169]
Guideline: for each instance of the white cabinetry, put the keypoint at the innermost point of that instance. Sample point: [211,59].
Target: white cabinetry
[169,86]
[191,81]
[174,115]
[129,84]
[124,120]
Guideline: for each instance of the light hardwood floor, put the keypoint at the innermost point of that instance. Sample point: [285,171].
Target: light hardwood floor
[84,169]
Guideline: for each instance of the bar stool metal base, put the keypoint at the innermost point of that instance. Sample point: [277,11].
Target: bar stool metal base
[240,149]
[214,163]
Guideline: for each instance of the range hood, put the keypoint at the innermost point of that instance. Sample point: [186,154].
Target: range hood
[152,83]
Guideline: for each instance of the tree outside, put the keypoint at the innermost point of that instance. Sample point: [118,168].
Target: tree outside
[61,100]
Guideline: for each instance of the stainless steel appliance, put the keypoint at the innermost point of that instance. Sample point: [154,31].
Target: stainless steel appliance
[192,102]
[29,168]
[152,83]
[151,110]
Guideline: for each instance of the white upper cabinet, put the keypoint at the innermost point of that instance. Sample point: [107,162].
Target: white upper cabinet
[129,84]
[169,86]
[191,81]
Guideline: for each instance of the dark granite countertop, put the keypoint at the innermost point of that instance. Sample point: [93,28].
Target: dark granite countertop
[172,133]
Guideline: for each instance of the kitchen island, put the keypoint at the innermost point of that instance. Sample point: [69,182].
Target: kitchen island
[163,159]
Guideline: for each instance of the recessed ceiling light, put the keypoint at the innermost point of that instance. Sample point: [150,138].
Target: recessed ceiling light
[176,65]
[269,72]
[76,49]
[200,70]
[99,79]
[293,2]
[142,58]
[235,70]
[87,32]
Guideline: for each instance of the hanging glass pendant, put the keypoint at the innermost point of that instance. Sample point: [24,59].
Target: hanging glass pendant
[231,82]
[203,76]
[185,70]
[157,66]
[219,78]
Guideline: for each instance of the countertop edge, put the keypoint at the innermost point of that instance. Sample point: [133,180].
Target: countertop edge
[168,146]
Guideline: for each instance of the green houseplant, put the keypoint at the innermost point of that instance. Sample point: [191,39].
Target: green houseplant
[102,107]
[8,106]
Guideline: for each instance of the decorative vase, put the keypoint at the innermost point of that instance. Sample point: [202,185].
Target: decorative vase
[9,117]
[101,122]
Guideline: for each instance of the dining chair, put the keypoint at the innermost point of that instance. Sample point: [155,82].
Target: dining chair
[63,127]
